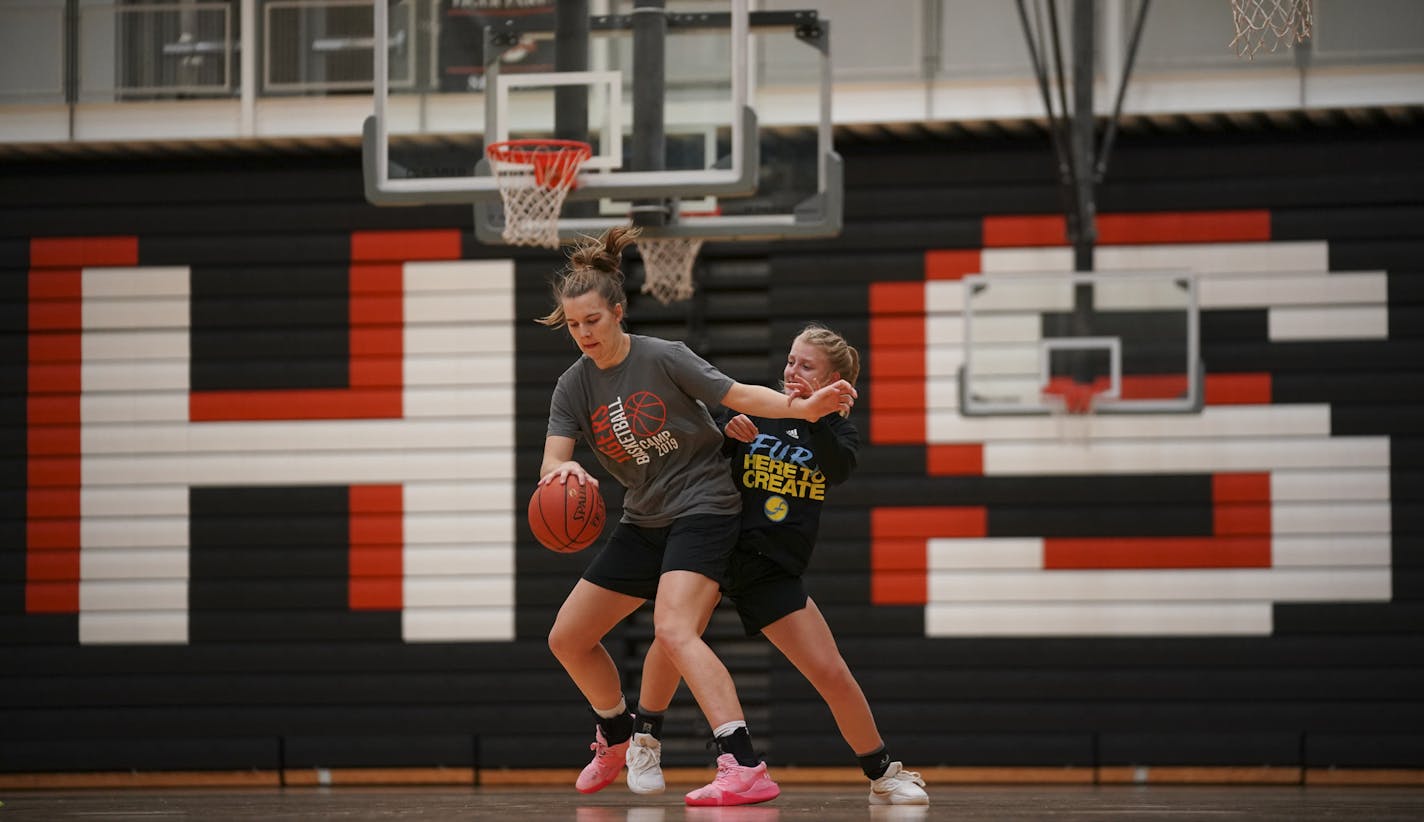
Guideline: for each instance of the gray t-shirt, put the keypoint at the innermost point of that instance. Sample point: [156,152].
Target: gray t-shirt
[647,420]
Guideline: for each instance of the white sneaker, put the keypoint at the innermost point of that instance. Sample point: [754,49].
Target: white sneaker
[645,768]
[898,787]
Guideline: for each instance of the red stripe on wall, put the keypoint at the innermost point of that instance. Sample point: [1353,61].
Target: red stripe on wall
[52,411]
[898,572]
[1124,553]
[377,540]
[1248,225]
[295,404]
[897,352]
[54,384]
[1242,505]
[377,329]
[897,331]
[897,298]
[77,252]
[952,264]
[1238,389]
[389,246]
[899,588]
[1230,488]
[1018,231]
[1153,386]
[926,521]
[1217,389]
[898,554]
[959,460]
[1252,225]
[898,394]
[1242,519]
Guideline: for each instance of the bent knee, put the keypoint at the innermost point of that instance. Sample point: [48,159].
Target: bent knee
[831,673]
[675,635]
[564,641]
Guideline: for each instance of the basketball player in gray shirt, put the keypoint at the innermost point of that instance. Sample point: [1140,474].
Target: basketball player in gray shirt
[642,405]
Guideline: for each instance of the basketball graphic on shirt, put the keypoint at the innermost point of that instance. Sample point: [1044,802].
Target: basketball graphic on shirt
[646,413]
[775,508]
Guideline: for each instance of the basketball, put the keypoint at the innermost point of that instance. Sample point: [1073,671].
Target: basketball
[566,517]
[646,413]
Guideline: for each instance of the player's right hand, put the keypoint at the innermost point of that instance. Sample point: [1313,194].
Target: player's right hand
[564,470]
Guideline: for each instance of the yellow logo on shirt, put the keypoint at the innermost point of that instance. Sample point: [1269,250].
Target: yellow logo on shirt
[775,508]
[779,477]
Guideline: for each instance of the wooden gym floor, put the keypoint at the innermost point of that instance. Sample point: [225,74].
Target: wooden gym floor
[798,803]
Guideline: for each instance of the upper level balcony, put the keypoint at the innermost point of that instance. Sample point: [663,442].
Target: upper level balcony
[105,71]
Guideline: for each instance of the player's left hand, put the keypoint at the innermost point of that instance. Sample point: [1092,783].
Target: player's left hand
[741,428]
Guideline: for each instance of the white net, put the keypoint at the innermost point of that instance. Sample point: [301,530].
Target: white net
[1268,24]
[1072,410]
[534,177]
[667,266]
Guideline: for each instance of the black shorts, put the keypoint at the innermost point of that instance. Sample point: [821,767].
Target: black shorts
[635,557]
[762,590]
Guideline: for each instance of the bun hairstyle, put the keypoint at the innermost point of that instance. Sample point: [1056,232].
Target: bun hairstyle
[842,355]
[595,264]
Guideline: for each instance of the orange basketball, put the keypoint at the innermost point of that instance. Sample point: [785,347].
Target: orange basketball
[566,517]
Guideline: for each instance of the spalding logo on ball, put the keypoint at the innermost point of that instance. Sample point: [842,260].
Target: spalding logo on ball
[566,516]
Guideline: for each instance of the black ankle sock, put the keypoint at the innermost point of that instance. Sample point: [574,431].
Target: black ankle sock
[738,743]
[649,722]
[616,729]
[875,763]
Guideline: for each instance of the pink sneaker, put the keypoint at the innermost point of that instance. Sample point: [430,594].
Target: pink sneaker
[736,785]
[607,762]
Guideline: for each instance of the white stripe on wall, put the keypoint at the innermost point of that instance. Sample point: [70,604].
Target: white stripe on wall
[1330,518]
[1295,289]
[984,553]
[1297,584]
[1185,456]
[1334,485]
[1336,550]
[459,565]
[116,605]
[1203,258]
[1097,619]
[1342,323]
[294,437]
[1227,421]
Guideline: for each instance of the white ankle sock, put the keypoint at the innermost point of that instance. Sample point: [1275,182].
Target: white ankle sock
[616,710]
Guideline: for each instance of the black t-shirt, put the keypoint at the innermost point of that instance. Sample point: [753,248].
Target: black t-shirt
[783,474]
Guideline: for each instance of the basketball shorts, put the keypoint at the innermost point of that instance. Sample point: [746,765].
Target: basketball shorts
[635,557]
[761,589]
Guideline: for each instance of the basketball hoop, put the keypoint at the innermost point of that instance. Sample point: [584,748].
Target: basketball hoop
[534,177]
[1071,404]
[667,266]
[1268,24]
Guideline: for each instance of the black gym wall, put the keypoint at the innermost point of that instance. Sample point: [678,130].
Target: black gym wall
[261,290]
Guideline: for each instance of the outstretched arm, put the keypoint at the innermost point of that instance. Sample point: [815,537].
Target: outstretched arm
[760,401]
